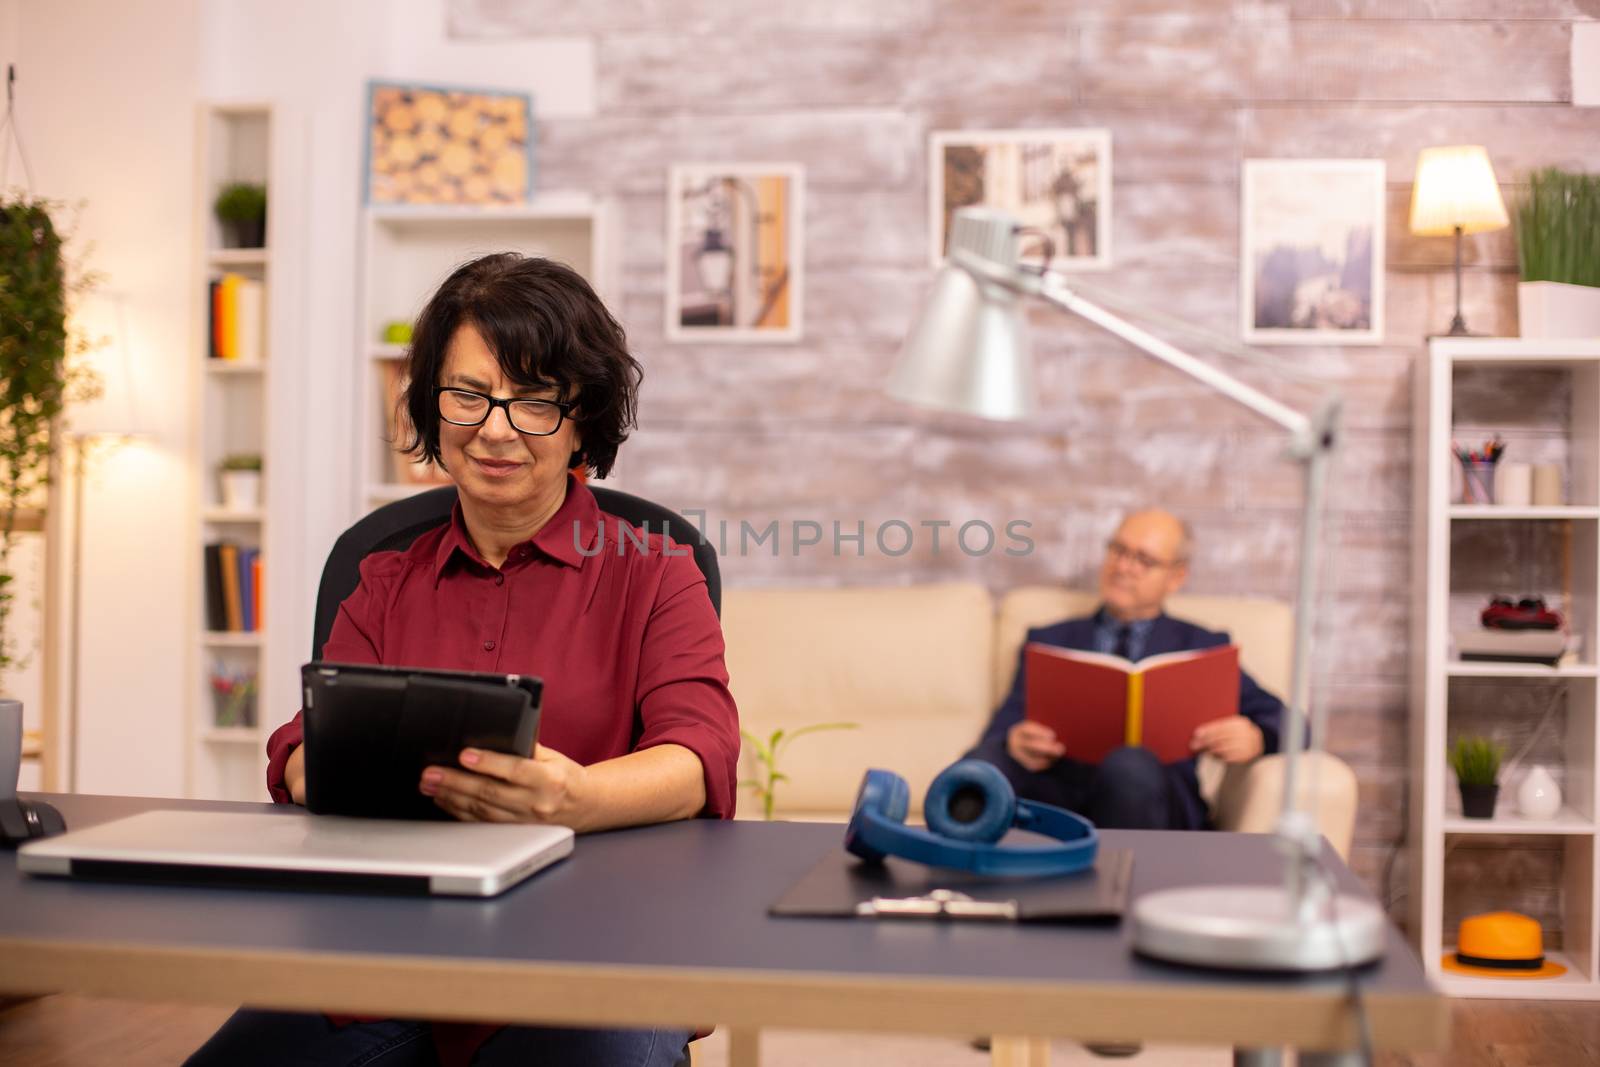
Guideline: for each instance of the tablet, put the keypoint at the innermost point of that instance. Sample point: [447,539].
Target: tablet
[370,731]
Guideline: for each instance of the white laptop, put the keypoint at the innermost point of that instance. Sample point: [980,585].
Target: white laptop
[302,850]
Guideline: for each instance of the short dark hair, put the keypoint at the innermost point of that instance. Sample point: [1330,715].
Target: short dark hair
[546,327]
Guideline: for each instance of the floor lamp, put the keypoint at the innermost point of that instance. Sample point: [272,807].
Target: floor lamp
[112,419]
[968,352]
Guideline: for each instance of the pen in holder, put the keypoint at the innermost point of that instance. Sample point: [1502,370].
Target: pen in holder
[1478,471]
[233,696]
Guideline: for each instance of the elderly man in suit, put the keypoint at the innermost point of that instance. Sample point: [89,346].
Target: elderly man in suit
[1146,561]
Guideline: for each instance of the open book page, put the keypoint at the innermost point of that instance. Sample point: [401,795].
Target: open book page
[1096,702]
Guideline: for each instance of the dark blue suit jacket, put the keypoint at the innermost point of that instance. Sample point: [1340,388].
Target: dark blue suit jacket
[1166,635]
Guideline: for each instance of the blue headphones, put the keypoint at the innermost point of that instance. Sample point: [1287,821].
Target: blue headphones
[969,807]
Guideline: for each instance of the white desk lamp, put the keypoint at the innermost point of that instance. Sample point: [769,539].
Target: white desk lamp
[968,353]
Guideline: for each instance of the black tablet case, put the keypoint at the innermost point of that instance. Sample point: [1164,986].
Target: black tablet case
[370,732]
[838,886]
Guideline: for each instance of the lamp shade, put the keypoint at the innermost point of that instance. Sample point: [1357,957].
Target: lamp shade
[968,349]
[1455,186]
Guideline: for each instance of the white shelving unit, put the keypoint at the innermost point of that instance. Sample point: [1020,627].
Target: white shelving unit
[1454,550]
[226,760]
[406,253]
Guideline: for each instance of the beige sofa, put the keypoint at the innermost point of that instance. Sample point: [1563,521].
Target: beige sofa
[920,669]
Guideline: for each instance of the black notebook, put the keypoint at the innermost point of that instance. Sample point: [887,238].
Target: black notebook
[370,731]
[843,886]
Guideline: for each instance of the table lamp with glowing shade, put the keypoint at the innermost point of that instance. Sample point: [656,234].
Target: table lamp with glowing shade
[1456,193]
[968,353]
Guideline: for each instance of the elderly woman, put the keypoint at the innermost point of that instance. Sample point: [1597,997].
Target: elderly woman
[518,375]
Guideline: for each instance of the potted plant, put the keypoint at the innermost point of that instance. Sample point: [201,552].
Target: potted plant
[1476,761]
[241,482]
[1558,253]
[242,210]
[767,754]
[36,379]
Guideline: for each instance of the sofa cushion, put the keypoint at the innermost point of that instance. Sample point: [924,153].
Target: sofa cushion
[910,665]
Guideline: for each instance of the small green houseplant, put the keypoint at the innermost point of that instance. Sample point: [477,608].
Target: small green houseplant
[1558,254]
[1476,761]
[767,755]
[242,209]
[241,481]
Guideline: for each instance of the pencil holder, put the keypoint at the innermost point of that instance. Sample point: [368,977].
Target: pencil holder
[233,699]
[1477,481]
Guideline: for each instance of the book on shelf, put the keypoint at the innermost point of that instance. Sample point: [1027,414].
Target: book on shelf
[237,325]
[233,587]
[255,589]
[230,587]
[1097,702]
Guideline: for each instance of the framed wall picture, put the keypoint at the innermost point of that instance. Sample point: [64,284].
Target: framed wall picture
[1312,251]
[735,252]
[1057,182]
[440,145]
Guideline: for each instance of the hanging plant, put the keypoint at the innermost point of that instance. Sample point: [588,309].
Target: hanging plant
[36,380]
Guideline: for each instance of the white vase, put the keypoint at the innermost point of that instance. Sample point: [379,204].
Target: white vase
[1557,310]
[1538,797]
[241,490]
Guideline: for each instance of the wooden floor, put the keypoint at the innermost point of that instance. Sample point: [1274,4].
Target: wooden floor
[73,1031]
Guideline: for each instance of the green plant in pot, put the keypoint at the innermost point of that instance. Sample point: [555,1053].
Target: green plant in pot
[768,753]
[1476,761]
[241,481]
[1558,255]
[37,376]
[242,210]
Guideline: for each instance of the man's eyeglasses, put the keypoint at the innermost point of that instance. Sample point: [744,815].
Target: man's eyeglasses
[1123,554]
[536,418]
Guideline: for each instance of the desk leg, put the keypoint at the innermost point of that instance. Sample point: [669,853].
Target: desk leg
[1019,1052]
[744,1046]
[1258,1057]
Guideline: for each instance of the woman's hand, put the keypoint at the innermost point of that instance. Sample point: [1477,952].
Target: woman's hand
[495,787]
[1232,739]
[294,775]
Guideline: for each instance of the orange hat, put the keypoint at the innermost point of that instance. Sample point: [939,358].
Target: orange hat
[1501,944]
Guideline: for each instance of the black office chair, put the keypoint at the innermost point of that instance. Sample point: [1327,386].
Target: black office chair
[394,526]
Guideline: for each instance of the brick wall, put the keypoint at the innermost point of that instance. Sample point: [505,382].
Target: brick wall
[851,90]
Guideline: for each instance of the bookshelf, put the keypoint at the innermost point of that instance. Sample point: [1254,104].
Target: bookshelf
[407,252]
[225,758]
[1543,397]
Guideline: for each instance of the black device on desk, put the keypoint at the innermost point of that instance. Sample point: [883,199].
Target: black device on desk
[371,730]
[23,820]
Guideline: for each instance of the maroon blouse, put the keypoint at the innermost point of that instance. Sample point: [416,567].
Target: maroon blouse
[617,624]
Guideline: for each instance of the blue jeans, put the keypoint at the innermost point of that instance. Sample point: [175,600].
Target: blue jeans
[252,1038]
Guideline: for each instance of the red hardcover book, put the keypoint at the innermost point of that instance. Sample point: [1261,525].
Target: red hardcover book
[1096,702]
[257,587]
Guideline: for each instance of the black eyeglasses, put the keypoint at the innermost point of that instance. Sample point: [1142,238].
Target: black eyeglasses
[536,418]
[1142,561]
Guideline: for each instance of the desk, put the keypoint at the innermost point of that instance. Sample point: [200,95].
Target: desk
[668,925]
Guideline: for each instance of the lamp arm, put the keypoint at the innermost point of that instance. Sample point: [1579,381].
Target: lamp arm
[1299,426]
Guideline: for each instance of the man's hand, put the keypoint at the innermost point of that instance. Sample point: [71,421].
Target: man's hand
[496,787]
[1232,739]
[1034,745]
[294,775]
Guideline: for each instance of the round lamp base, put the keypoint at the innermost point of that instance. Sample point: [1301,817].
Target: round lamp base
[1256,928]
